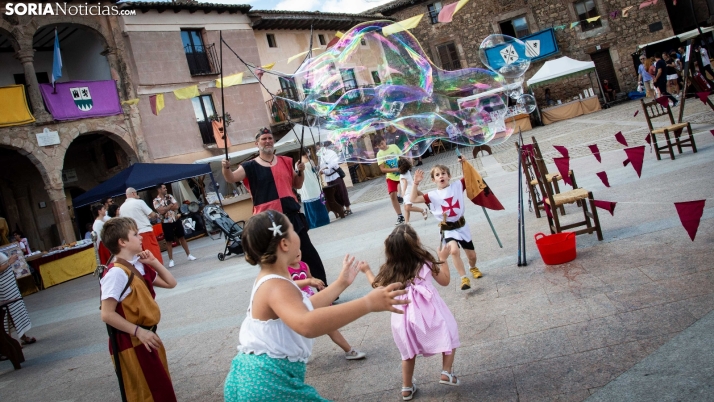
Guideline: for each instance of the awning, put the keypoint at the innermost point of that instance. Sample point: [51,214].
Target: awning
[13,106]
[682,37]
[558,69]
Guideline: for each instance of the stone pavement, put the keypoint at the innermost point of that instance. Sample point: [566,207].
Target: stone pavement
[527,333]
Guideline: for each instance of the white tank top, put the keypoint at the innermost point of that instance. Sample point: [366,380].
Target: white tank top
[273,337]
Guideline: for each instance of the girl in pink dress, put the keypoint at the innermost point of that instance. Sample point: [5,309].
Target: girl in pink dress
[427,327]
[302,277]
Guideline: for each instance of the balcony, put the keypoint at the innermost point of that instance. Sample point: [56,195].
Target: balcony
[281,112]
[202,60]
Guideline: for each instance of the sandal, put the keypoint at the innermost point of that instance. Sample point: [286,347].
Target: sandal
[451,379]
[28,340]
[412,390]
[424,213]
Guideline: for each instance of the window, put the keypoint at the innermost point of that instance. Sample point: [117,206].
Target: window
[271,40]
[449,56]
[287,85]
[586,9]
[375,78]
[516,27]
[363,42]
[433,10]
[201,58]
[348,78]
[203,108]
[321,38]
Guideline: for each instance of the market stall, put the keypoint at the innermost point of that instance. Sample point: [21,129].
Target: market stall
[569,110]
[65,264]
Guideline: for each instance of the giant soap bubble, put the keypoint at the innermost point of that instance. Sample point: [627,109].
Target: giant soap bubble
[370,86]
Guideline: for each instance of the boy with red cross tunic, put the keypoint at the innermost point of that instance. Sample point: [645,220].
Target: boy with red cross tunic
[447,204]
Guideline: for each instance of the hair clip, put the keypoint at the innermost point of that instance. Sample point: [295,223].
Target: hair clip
[276,228]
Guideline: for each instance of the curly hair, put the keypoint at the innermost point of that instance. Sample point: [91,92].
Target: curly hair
[404,165]
[260,244]
[405,257]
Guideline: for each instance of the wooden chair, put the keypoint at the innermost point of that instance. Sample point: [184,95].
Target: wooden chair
[437,146]
[558,200]
[653,110]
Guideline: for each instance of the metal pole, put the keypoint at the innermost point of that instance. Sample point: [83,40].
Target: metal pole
[223,107]
[519,200]
[492,228]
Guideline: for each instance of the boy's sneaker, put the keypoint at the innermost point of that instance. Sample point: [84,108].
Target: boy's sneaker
[475,272]
[400,220]
[465,283]
[171,263]
[400,200]
[191,258]
[355,355]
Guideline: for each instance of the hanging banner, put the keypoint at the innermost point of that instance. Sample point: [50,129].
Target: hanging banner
[13,106]
[400,26]
[538,46]
[187,93]
[81,99]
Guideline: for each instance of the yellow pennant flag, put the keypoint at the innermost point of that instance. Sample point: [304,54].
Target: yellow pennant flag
[400,26]
[460,5]
[297,56]
[593,19]
[268,66]
[626,11]
[235,79]
[339,34]
[130,102]
[187,93]
[574,24]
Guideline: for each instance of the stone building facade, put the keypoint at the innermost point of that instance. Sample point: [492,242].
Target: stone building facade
[610,45]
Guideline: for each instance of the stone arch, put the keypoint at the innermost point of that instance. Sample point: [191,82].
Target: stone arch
[8,33]
[26,149]
[91,23]
[117,134]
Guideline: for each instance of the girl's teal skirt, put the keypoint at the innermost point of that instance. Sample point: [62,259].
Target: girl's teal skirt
[262,378]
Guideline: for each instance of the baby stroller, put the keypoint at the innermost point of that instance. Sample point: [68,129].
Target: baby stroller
[216,217]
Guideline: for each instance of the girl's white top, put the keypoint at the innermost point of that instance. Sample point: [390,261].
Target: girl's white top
[407,194]
[273,337]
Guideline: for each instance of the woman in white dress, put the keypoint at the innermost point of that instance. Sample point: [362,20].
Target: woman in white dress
[311,196]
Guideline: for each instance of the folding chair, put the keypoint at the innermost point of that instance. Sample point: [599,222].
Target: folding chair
[553,201]
[437,146]
[653,110]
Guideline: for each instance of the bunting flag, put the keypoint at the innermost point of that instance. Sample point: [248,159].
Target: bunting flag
[333,42]
[339,34]
[400,26]
[130,102]
[648,139]
[157,103]
[711,131]
[297,56]
[560,27]
[603,178]
[596,152]
[478,191]
[636,155]
[447,13]
[663,101]
[187,93]
[563,150]
[647,4]
[621,138]
[259,73]
[574,24]
[563,165]
[268,66]
[690,213]
[231,80]
[636,113]
[606,205]
[626,11]
[703,96]
[593,19]
[613,15]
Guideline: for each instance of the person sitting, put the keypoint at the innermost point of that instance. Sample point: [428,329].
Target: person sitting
[609,91]
[88,233]
[548,100]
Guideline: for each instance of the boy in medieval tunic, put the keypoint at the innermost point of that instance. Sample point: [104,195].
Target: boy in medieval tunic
[128,306]
[447,204]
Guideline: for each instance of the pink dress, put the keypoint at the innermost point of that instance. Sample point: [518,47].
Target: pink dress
[427,327]
[301,273]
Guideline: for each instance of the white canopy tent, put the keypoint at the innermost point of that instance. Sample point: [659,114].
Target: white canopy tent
[561,68]
[682,37]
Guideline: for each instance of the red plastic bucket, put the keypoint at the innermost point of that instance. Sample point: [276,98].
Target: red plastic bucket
[556,249]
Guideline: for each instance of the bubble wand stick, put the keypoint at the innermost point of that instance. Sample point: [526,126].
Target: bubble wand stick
[458,154]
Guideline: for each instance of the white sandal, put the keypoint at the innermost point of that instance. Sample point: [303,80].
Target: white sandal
[424,213]
[451,379]
[412,389]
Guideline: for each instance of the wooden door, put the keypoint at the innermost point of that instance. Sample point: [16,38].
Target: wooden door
[605,69]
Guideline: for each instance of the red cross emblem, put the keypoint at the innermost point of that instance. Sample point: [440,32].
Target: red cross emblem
[450,207]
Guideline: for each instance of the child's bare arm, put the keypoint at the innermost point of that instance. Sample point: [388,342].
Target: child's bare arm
[367,271]
[444,276]
[330,293]
[312,282]
[111,317]
[416,197]
[164,278]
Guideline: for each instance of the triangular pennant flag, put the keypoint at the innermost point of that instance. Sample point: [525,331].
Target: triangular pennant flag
[187,93]
[339,34]
[563,150]
[333,42]
[626,11]
[606,205]
[646,4]
[297,56]
[157,103]
[613,14]
[648,139]
[477,190]
[603,178]
[636,113]
[663,101]
[460,5]
[547,208]
[593,19]
[447,12]
[400,26]
[596,152]
[268,66]
[636,155]
[703,96]
[231,80]
[560,27]
[563,165]
[690,213]
[621,138]
[711,131]
[130,101]
[574,24]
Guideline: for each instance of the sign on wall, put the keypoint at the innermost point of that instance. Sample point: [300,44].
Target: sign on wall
[47,138]
[538,46]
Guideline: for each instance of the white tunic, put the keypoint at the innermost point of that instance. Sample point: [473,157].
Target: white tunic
[450,202]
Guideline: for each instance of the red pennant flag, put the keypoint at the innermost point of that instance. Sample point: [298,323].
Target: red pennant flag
[690,213]
[563,165]
[547,208]
[332,42]
[596,151]
[648,139]
[447,12]
[663,101]
[703,96]
[563,150]
[711,131]
[636,155]
[621,138]
[606,205]
[636,113]
[603,177]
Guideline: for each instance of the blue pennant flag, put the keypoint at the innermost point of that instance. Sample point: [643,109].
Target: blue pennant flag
[56,61]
